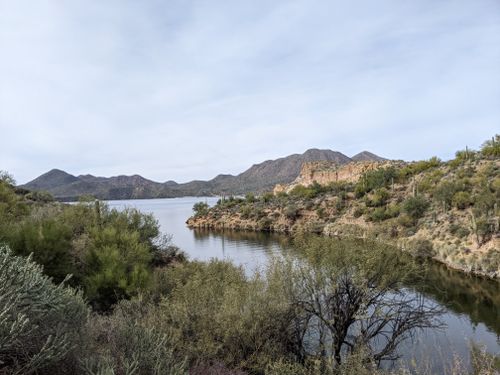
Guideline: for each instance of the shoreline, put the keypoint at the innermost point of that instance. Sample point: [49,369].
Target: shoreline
[494,276]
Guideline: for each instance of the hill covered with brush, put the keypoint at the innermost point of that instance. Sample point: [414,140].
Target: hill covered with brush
[445,210]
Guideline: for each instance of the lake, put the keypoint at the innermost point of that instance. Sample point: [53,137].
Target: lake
[472,304]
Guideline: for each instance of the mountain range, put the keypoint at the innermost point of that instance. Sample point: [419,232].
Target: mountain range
[258,178]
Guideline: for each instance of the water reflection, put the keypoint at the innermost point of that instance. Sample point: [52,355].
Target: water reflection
[478,298]
[243,238]
[473,304]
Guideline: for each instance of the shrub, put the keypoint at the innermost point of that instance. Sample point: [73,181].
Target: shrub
[491,148]
[117,266]
[462,200]
[301,191]
[340,287]
[265,223]
[378,214]
[430,180]
[250,198]
[282,367]
[267,197]
[49,241]
[378,198]
[419,167]
[421,248]
[462,156]
[133,345]
[291,212]
[200,209]
[444,193]
[40,322]
[246,212]
[484,200]
[221,316]
[415,207]
[359,211]
[375,179]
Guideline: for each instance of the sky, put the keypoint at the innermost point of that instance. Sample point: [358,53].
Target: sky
[183,89]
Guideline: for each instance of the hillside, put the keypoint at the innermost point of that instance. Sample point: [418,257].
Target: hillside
[445,210]
[258,178]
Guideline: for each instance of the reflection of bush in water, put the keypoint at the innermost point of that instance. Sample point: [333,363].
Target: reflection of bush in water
[253,238]
[477,297]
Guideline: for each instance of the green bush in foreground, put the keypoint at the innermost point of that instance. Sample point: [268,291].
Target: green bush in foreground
[40,323]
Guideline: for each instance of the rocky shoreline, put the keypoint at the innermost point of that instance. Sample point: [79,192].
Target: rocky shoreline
[408,213]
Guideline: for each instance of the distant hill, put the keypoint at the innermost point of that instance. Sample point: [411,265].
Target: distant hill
[257,178]
[367,156]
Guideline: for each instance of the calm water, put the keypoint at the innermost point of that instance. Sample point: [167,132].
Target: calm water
[473,304]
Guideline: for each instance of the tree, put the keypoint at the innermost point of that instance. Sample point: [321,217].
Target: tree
[351,300]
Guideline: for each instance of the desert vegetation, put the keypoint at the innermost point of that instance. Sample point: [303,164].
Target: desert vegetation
[445,210]
[320,314]
[85,289]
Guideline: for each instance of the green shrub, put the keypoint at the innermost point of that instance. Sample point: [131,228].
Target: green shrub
[444,192]
[246,212]
[382,177]
[133,345]
[283,367]
[250,198]
[378,198]
[200,209]
[406,221]
[415,207]
[491,148]
[462,200]
[303,192]
[49,241]
[430,180]
[221,316]
[418,167]
[485,200]
[462,156]
[267,197]
[12,206]
[117,266]
[378,214]
[40,322]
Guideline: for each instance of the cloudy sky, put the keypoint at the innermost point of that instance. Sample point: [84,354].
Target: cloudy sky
[180,89]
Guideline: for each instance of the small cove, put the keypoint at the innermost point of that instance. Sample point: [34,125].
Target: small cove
[472,304]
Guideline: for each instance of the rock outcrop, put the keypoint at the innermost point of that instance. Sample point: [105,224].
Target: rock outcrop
[325,172]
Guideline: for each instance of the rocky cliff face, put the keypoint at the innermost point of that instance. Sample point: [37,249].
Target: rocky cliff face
[325,172]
